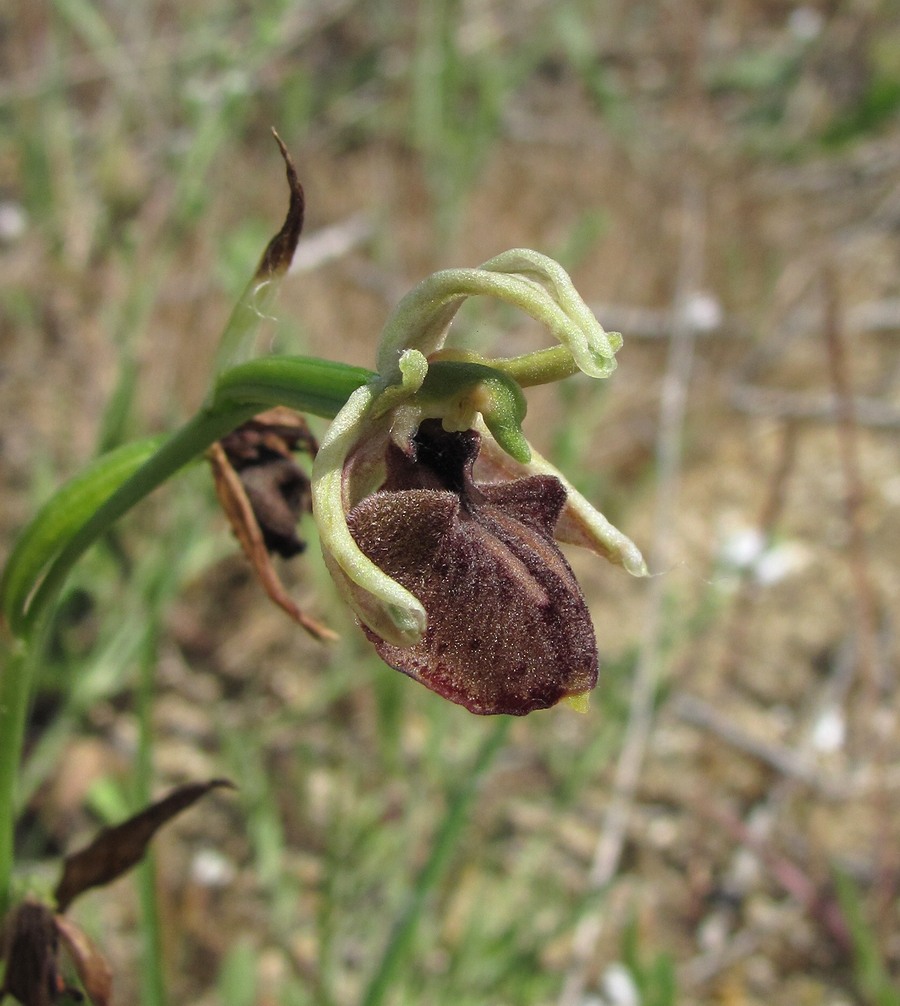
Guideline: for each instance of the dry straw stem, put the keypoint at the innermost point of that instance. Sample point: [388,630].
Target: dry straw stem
[869,665]
[854,491]
[772,404]
[673,407]
[739,628]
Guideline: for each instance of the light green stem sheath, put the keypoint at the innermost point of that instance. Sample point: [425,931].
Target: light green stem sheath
[305,383]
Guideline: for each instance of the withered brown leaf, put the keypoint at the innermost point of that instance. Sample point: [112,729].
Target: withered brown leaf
[262,493]
[116,850]
[92,967]
[280,250]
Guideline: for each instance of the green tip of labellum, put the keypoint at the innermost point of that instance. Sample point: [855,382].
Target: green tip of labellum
[580,702]
[508,435]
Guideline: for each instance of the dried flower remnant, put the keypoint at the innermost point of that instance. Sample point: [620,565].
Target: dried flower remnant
[261,452]
[30,948]
[35,937]
[263,493]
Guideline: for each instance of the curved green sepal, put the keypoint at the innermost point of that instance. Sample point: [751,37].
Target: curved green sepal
[382,603]
[535,284]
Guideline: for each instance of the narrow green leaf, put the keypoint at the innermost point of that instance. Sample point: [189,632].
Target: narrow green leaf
[58,520]
[251,310]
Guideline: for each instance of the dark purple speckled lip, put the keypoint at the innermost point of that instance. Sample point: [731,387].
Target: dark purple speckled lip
[508,629]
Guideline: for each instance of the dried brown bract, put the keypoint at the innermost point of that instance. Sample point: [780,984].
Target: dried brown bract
[263,493]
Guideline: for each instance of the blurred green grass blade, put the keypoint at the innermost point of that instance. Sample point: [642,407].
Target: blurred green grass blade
[16,673]
[869,967]
[58,520]
[85,20]
[237,976]
[402,935]
[173,453]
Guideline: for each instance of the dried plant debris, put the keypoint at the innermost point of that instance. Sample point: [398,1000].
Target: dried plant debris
[91,965]
[116,850]
[261,452]
[264,493]
[30,950]
[276,259]
[34,935]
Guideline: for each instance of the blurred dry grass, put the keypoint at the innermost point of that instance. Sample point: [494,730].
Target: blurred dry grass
[135,156]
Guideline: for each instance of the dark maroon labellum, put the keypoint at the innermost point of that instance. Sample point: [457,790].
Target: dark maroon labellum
[508,629]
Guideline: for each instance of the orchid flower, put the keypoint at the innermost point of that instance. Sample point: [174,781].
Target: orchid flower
[438,521]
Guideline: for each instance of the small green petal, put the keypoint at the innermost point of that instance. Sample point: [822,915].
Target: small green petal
[467,387]
[537,285]
[593,348]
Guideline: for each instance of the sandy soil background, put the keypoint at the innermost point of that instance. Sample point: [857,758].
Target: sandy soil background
[723,182]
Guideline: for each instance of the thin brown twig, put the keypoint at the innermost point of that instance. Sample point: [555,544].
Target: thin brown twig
[854,495]
[774,404]
[738,626]
[866,605]
[790,762]
[795,880]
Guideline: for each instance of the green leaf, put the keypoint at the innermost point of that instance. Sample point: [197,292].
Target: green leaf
[59,519]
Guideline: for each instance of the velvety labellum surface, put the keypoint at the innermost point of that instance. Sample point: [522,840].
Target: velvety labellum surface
[508,629]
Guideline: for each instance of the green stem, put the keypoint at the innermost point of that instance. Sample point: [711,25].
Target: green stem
[307,384]
[153,986]
[191,440]
[15,686]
